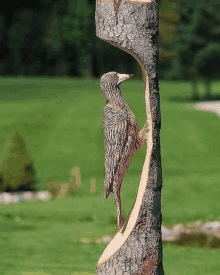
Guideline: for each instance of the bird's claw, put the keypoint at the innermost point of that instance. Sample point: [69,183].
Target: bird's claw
[143,134]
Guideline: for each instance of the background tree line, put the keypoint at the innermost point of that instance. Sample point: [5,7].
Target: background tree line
[46,37]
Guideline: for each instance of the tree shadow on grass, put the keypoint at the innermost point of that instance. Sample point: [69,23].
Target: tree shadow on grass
[15,226]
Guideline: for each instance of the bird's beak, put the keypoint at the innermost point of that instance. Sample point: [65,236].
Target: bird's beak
[122,77]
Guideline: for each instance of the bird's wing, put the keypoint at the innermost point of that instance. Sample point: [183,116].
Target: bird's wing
[116,136]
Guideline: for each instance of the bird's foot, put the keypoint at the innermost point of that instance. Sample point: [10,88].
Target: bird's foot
[143,133]
[146,130]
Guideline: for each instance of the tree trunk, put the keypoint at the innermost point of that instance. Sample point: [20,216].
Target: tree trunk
[132,25]
[207,88]
[85,65]
[195,94]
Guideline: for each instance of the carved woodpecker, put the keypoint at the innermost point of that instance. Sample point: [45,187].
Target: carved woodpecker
[121,134]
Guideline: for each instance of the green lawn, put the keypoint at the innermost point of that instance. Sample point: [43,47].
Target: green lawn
[61,123]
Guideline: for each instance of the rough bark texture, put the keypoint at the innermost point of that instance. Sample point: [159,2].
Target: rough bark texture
[135,30]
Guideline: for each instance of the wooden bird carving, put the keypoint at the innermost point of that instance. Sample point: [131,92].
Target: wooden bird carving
[122,136]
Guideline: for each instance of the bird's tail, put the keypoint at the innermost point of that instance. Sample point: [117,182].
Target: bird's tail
[105,196]
[107,189]
[118,209]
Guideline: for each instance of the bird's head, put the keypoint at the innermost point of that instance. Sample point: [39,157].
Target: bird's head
[110,83]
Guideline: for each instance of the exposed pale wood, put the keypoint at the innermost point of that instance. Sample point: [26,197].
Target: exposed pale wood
[137,247]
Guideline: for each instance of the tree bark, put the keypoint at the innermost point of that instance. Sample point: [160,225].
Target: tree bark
[132,25]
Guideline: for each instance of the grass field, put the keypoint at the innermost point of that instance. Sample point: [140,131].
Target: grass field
[61,123]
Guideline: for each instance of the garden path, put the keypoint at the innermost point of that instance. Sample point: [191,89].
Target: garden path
[213,106]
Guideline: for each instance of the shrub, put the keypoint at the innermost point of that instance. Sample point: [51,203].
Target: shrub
[16,166]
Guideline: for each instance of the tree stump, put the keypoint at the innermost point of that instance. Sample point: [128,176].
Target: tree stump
[132,25]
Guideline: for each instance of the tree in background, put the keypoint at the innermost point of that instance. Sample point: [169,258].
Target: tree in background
[28,47]
[167,29]
[16,168]
[2,183]
[19,36]
[198,42]
[77,32]
[57,37]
